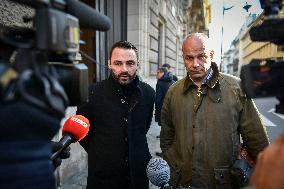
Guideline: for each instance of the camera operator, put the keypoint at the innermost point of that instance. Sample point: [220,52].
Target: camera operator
[27,130]
[33,96]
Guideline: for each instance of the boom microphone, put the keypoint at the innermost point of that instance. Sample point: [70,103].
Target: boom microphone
[88,17]
[158,172]
[74,129]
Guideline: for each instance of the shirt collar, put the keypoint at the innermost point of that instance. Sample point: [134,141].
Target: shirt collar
[211,79]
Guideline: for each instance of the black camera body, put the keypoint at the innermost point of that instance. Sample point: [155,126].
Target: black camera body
[45,58]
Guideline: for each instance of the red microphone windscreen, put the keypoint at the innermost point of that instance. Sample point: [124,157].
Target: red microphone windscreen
[76,125]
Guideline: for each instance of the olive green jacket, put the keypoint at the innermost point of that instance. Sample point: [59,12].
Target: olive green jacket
[200,131]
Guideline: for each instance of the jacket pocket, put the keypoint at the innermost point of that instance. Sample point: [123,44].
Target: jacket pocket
[222,178]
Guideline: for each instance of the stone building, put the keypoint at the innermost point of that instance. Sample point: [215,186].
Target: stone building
[231,58]
[158,27]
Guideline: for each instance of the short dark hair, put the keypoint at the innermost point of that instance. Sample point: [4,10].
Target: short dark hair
[166,66]
[123,45]
[163,69]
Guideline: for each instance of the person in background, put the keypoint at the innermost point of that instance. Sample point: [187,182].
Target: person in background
[120,110]
[203,117]
[164,81]
[169,69]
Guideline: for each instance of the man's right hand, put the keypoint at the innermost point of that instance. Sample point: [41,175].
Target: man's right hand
[268,173]
[63,155]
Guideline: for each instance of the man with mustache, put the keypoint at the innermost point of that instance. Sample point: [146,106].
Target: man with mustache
[120,111]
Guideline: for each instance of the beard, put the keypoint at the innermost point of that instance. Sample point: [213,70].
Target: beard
[123,78]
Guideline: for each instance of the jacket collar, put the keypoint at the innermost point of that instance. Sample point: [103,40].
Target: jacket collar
[188,83]
[116,86]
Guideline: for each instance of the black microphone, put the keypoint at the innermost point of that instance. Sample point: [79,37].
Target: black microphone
[88,17]
[74,129]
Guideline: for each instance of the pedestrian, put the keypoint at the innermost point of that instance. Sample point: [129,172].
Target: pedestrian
[164,81]
[120,111]
[169,69]
[203,117]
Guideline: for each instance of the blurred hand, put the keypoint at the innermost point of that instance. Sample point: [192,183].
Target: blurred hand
[63,155]
[268,173]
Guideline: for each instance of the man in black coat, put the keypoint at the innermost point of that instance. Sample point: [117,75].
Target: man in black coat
[164,81]
[120,111]
[169,69]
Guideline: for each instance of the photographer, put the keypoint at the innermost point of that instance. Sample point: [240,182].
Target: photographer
[33,95]
[27,130]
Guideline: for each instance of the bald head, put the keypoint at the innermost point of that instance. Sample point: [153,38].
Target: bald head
[197,37]
[196,56]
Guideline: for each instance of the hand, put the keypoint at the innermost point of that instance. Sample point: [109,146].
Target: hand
[63,155]
[268,173]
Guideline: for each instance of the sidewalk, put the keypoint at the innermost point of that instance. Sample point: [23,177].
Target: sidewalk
[79,181]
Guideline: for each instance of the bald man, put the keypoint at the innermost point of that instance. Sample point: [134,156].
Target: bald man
[203,117]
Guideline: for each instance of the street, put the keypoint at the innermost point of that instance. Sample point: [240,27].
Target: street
[274,122]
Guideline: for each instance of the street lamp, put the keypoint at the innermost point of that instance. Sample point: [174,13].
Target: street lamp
[224,9]
[247,6]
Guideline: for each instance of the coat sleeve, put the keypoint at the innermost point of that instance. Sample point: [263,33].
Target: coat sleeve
[150,116]
[158,103]
[167,128]
[252,130]
[85,109]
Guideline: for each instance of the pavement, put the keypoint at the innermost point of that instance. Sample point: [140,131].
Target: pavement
[79,181]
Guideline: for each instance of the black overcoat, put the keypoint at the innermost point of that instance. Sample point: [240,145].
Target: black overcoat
[116,143]
[162,86]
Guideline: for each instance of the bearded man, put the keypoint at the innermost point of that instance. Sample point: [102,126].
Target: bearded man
[120,111]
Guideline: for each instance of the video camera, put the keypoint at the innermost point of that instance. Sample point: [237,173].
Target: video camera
[264,77]
[40,64]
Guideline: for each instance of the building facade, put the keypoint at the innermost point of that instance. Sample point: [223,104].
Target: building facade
[231,58]
[157,28]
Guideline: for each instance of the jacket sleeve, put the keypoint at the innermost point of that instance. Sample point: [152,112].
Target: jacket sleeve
[85,110]
[252,130]
[167,128]
[150,116]
[158,102]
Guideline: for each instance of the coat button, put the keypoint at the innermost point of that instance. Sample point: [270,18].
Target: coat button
[122,101]
[125,139]
[192,147]
[125,119]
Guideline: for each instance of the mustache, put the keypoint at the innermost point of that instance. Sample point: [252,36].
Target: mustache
[124,74]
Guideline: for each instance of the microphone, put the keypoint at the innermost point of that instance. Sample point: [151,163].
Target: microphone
[74,129]
[158,172]
[88,17]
